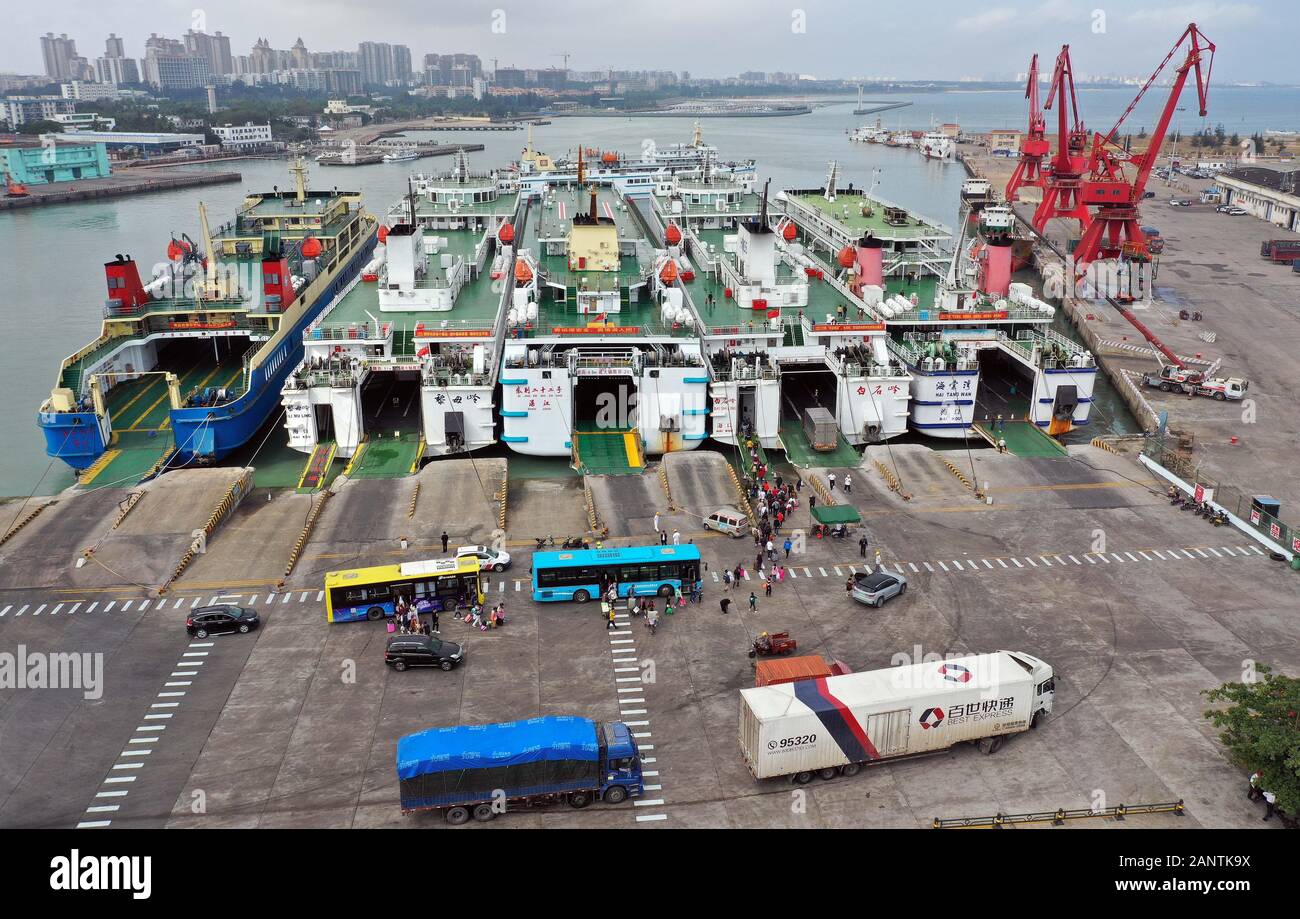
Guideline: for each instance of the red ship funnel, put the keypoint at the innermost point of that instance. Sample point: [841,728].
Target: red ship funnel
[871,262]
[125,292]
[277,284]
[997,268]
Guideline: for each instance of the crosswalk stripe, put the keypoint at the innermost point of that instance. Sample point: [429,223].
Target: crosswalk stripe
[1214,552]
[1091,560]
[1002,563]
[1045,561]
[1189,555]
[1229,551]
[1144,555]
[958,566]
[6,609]
[1159,556]
[194,603]
[1075,560]
[1115,556]
[91,608]
[1256,550]
[1031,561]
[915,570]
[1131,556]
[715,576]
[986,564]
[320,594]
[943,566]
[55,611]
[285,599]
[823,571]
[927,567]
[838,573]
[26,606]
[126,605]
[1016,562]
[807,573]
[1201,554]
[38,610]
[899,568]
[74,607]
[302,598]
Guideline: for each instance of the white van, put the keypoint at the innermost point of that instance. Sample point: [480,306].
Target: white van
[728,520]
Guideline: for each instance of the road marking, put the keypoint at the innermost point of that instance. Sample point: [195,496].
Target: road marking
[152,727]
[1046,561]
[119,779]
[320,594]
[626,679]
[622,641]
[1144,555]
[1200,553]
[192,663]
[1131,557]
[179,601]
[651,802]
[1189,555]
[915,570]
[1075,560]
[1002,563]
[109,607]
[650,775]
[943,566]
[135,753]
[641,734]
[822,570]
[180,683]
[1031,561]
[195,654]
[838,573]
[165,705]
[927,567]
[958,564]
[143,740]
[653,787]
[286,598]
[91,608]
[1256,550]
[626,670]
[637,724]
[620,632]
[102,809]
[899,568]
[6,609]
[631,689]
[631,711]
[1116,557]
[715,577]
[114,794]
[302,598]
[145,605]
[74,607]
[1229,551]
[39,609]
[126,605]
[646,818]
[93,824]
[986,564]
[158,715]
[1159,556]
[199,644]
[194,603]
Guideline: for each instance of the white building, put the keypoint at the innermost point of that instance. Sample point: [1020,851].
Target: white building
[88,92]
[1269,194]
[243,135]
[85,121]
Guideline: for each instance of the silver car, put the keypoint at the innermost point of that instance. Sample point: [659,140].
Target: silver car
[875,587]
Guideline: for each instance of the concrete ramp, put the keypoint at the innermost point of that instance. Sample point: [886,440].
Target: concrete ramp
[539,507]
[701,481]
[627,504]
[47,535]
[921,473]
[364,521]
[251,548]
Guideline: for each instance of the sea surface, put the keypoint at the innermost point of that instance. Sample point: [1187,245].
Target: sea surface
[51,258]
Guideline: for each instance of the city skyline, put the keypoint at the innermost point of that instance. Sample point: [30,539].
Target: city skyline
[813,39]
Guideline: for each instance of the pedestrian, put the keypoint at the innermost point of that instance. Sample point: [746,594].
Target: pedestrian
[780,519]
[444,542]
[781,575]
[1270,804]
[697,592]
[609,619]
[830,477]
[656,521]
[434,620]
[663,538]
[780,482]
[787,546]
[877,559]
[862,545]
[677,537]
[753,601]
[767,587]
[848,586]
[798,484]
[739,572]
[771,551]
[724,603]
[631,603]
[848,483]
[812,502]
[758,560]
[726,581]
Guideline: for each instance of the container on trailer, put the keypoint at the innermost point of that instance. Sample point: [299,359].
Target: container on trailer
[821,429]
[827,723]
[773,671]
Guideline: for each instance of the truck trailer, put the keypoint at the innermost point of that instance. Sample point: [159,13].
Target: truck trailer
[835,725]
[821,429]
[483,770]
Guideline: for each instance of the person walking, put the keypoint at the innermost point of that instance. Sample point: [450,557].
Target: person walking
[724,603]
[787,546]
[798,484]
[830,477]
[753,601]
[631,603]
[663,538]
[1270,804]
[739,572]
[812,502]
[771,551]
[758,560]
[767,584]
[609,619]
[848,483]
[656,521]
[848,586]
[677,537]
[433,617]
[862,545]
[444,542]
[652,620]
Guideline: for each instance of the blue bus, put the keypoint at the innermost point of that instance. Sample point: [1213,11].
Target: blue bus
[585,574]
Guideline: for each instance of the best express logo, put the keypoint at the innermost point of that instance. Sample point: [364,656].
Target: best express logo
[931,718]
[955,673]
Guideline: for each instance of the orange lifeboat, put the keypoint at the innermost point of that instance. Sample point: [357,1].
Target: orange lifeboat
[523,274]
[672,235]
[311,247]
[507,233]
[383,233]
[668,274]
[789,232]
[847,257]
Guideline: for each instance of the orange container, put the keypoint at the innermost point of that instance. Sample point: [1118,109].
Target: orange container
[774,670]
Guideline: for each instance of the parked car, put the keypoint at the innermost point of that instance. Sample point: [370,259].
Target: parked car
[875,587]
[1223,208]
[1148,194]
[217,620]
[422,651]
[1237,212]
[489,559]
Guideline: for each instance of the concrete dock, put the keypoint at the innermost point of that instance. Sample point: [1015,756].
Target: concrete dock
[119,184]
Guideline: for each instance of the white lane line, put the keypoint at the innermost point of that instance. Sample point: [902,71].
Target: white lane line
[194,603]
[622,641]
[158,715]
[1188,554]
[1032,563]
[119,779]
[152,727]
[633,711]
[618,632]
[135,753]
[286,598]
[126,605]
[1229,551]
[654,788]
[647,818]
[110,794]
[943,566]
[1102,556]
[6,609]
[648,802]
[1016,562]
[1089,559]
[915,570]
[626,679]
[140,740]
[629,689]
[957,564]
[626,669]
[165,705]
[74,607]
[1256,550]
[179,601]
[1116,557]
[91,608]
[1131,556]
[1002,563]
[55,611]
[180,683]
[1046,561]
[93,824]
[637,724]
[109,607]
[1144,555]
[144,605]
[302,598]
[927,567]
[102,809]
[194,654]
[986,564]
[838,573]
[807,573]
[1075,560]
[200,644]
[1159,556]
[320,594]
[650,775]
[1214,552]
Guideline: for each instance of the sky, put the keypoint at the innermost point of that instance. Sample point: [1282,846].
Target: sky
[900,39]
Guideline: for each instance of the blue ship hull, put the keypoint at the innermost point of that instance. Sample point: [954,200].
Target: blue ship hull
[207,433]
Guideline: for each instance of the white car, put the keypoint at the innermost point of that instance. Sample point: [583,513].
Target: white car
[489,559]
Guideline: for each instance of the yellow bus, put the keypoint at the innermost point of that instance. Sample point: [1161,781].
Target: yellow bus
[372,593]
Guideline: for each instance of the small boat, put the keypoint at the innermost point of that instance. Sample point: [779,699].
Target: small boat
[402,155]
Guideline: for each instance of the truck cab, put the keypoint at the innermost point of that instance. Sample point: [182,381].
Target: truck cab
[1044,683]
[620,763]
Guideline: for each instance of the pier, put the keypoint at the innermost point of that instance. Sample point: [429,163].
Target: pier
[117,185]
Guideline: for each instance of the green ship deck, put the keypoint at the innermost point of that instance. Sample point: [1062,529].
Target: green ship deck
[846,212]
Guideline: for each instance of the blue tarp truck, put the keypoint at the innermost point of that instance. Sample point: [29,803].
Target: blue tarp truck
[484,770]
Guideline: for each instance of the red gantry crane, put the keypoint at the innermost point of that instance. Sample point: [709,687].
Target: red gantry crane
[1064,181]
[1030,170]
[1115,230]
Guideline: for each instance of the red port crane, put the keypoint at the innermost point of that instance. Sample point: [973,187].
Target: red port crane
[1064,182]
[1115,230]
[1030,170]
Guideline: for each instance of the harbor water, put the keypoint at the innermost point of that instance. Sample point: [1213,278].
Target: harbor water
[51,258]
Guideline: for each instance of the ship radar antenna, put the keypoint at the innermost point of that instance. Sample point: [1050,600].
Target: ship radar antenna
[410,198]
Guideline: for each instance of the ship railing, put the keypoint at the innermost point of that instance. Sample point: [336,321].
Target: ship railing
[611,359]
[309,379]
[432,327]
[348,331]
[745,373]
[114,309]
[434,375]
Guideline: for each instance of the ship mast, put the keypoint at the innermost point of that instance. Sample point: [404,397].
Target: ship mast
[299,170]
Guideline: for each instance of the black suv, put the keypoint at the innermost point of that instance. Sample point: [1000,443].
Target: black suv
[422,651]
[213,620]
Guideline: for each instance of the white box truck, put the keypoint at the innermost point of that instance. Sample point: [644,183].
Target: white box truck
[836,725]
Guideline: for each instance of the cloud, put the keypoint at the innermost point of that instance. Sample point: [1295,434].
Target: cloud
[1205,13]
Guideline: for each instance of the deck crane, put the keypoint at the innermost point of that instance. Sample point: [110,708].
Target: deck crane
[1115,230]
[1030,171]
[1064,182]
